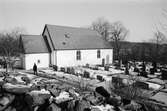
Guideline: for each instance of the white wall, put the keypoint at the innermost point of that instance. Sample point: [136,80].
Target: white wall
[53,57]
[68,57]
[22,58]
[30,59]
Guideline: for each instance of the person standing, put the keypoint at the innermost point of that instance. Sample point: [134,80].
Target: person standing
[35,69]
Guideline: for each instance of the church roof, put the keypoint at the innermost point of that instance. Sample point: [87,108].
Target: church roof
[64,37]
[34,44]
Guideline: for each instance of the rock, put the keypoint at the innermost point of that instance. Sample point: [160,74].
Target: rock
[43,107]
[82,105]
[19,103]
[6,100]
[95,100]
[16,88]
[38,97]
[36,108]
[29,101]
[1,74]
[54,90]
[115,101]
[10,80]
[73,93]
[2,81]
[63,96]
[10,109]
[107,107]
[38,86]
[95,109]
[71,105]
[126,101]
[133,106]
[53,107]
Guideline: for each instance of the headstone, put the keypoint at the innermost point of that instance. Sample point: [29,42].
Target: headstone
[55,67]
[106,68]
[103,62]
[100,78]
[164,74]
[62,69]
[68,70]
[86,74]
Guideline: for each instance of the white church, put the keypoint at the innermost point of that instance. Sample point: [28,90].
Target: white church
[64,46]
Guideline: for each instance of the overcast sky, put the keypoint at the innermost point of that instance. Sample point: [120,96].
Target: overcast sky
[139,16]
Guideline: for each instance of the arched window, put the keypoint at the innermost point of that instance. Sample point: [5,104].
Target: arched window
[78,55]
[98,54]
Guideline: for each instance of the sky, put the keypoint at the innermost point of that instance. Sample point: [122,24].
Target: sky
[140,17]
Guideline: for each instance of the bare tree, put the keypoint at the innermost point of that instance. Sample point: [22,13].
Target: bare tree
[101,25]
[9,47]
[158,39]
[134,55]
[111,32]
[116,34]
[164,22]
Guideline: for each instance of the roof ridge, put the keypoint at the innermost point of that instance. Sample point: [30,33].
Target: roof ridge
[69,27]
[29,35]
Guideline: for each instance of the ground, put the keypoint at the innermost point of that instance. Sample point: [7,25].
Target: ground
[59,87]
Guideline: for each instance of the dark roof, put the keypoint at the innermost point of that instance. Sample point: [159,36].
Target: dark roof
[64,37]
[33,44]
